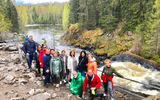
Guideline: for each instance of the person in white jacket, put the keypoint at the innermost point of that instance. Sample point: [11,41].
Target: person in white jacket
[72,64]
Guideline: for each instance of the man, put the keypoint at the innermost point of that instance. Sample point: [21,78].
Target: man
[76,86]
[46,63]
[64,60]
[29,49]
[94,83]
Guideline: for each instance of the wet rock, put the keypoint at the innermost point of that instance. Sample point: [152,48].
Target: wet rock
[41,96]
[156,97]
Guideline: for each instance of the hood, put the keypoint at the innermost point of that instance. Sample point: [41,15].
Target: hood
[93,60]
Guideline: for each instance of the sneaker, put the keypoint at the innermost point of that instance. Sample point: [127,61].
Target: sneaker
[46,86]
[30,69]
[60,82]
[57,85]
[104,95]
[64,81]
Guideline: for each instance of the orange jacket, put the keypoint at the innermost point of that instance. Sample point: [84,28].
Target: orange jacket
[92,65]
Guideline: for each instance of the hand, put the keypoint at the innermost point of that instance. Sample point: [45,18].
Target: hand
[27,54]
[84,93]
[47,71]
[40,63]
[72,89]
[69,70]
[93,88]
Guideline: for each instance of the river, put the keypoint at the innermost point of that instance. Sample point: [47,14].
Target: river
[127,69]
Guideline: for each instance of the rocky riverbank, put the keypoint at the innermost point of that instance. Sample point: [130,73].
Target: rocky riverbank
[18,83]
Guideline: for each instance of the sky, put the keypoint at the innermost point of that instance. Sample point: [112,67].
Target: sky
[38,1]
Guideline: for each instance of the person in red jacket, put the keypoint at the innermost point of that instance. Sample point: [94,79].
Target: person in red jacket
[41,54]
[94,83]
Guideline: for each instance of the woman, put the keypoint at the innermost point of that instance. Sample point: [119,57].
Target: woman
[92,64]
[37,58]
[41,54]
[72,64]
[83,62]
[55,68]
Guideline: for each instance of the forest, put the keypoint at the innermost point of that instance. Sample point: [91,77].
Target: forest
[118,18]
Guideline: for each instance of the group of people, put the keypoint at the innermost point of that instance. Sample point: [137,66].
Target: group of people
[58,68]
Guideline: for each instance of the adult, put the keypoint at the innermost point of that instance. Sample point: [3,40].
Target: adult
[72,64]
[94,83]
[41,54]
[37,58]
[92,64]
[65,70]
[46,62]
[83,62]
[76,86]
[29,49]
[55,69]
[107,76]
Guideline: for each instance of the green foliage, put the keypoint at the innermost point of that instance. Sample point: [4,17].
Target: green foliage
[8,17]
[66,12]
[5,24]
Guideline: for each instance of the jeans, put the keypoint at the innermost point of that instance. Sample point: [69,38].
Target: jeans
[108,89]
[83,72]
[29,60]
[55,78]
[47,79]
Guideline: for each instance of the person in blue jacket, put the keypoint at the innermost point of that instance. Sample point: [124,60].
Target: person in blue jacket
[29,49]
[46,66]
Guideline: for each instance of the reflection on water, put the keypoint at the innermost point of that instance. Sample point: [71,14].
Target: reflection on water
[127,69]
[135,72]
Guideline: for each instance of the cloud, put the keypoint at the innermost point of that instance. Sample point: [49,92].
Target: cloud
[38,1]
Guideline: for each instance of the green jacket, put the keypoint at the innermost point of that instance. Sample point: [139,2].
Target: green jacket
[55,65]
[109,71]
[77,85]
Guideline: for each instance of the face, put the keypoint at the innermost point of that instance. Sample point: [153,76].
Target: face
[39,47]
[83,54]
[72,53]
[63,53]
[52,51]
[75,75]
[45,47]
[47,51]
[107,63]
[89,57]
[55,55]
[30,38]
[90,73]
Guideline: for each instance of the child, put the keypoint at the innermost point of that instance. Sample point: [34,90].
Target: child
[107,76]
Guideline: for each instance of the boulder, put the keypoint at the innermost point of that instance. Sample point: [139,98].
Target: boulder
[29,75]
[41,96]
[22,80]
[14,48]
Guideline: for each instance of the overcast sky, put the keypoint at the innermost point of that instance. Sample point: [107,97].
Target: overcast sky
[38,1]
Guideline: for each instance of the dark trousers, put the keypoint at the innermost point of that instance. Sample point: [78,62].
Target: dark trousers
[38,66]
[105,87]
[55,78]
[96,95]
[83,72]
[47,79]
[29,60]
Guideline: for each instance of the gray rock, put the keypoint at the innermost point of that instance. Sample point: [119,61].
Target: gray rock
[14,48]
[22,80]
[41,96]
[29,75]
[31,92]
